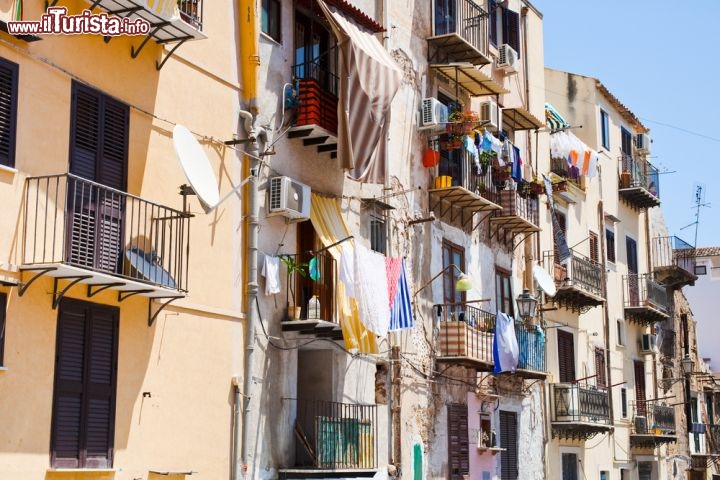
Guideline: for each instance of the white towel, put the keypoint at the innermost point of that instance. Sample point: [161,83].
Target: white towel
[347,270]
[271,272]
[371,290]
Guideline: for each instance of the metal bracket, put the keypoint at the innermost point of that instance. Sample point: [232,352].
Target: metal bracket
[153,316]
[58,296]
[158,66]
[103,286]
[134,53]
[521,241]
[41,272]
[130,293]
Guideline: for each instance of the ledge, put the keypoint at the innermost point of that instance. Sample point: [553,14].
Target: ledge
[10,170]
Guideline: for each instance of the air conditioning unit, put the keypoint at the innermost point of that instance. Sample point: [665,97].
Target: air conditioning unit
[289,198]
[648,343]
[508,59]
[434,114]
[566,402]
[641,427]
[642,142]
[490,115]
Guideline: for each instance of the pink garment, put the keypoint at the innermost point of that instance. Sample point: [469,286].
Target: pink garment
[393,267]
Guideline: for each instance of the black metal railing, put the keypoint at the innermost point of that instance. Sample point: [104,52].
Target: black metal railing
[332,435]
[652,419]
[73,221]
[465,331]
[322,69]
[580,403]
[191,11]
[464,18]
[578,271]
[643,291]
[673,252]
[639,174]
[517,204]
[313,275]
[531,343]
[712,437]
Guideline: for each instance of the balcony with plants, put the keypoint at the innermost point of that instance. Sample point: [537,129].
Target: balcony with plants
[639,183]
[579,411]
[579,281]
[645,300]
[81,232]
[673,261]
[459,33]
[653,425]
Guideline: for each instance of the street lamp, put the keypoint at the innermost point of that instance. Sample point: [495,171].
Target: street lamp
[687,365]
[527,304]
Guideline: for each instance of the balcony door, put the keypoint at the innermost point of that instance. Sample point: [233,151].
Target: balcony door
[566,356]
[99,128]
[632,266]
[640,388]
[452,255]
[314,58]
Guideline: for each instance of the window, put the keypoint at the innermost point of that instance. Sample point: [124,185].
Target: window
[3,306]
[508,441]
[569,466]
[504,26]
[620,332]
[632,258]
[623,402]
[600,368]
[604,130]
[313,58]
[8,111]
[610,244]
[641,406]
[626,142]
[604,475]
[451,161]
[452,255]
[503,291]
[624,474]
[83,414]
[645,471]
[458,443]
[378,232]
[566,356]
[594,250]
[270,19]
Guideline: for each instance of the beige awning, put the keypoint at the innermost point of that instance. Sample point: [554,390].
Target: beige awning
[470,78]
[518,118]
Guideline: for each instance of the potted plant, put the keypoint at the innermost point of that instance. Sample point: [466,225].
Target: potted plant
[486,159]
[294,268]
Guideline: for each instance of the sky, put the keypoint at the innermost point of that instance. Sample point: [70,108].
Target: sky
[661,59]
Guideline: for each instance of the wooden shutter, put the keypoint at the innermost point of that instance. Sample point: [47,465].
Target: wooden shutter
[85,381]
[508,441]
[610,245]
[569,466]
[511,29]
[458,442]
[600,369]
[640,388]
[8,111]
[566,356]
[594,250]
[3,306]
[632,259]
[98,152]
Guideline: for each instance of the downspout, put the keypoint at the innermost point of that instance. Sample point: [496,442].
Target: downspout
[249,63]
[648,259]
[528,251]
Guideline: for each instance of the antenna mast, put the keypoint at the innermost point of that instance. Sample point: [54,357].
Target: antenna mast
[699,202]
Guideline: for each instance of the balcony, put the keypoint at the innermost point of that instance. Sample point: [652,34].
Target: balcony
[579,281]
[81,232]
[459,196]
[653,425]
[673,262]
[519,213]
[460,33]
[334,437]
[308,280]
[466,335]
[531,343]
[579,412]
[639,183]
[704,440]
[560,167]
[167,23]
[645,300]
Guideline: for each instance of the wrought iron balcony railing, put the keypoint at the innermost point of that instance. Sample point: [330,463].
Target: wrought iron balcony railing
[191,11]
[315,275]
[636,173]
[573,403]
[465,21]
[645,300]
[76,222]
[531,342]
[579,280]
[652,419]
[673,261]
[335,436]
[465,331]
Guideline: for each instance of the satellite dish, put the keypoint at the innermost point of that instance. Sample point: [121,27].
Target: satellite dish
[544,280]
[146,267]
[196,166]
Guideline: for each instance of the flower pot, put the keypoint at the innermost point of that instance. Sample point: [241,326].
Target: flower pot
[624,179]
[443,181]
[294,312]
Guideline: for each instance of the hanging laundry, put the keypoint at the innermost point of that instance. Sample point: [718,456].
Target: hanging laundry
[371,290]
[314,269]
[401,315]
[505,345]
[271,271]
[516,164]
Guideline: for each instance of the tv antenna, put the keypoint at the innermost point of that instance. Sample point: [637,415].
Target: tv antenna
[699,189]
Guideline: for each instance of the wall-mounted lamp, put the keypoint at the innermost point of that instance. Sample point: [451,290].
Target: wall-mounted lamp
[463,283]
[687,365]
[527,304]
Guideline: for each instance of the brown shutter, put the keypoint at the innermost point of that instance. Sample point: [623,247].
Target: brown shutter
[508,441]
[594,255]
[511,29]
[600,369]
[8,111]
[85,381]
[3,306]
[640,388]
[458,443]
[569,466]
[566,356]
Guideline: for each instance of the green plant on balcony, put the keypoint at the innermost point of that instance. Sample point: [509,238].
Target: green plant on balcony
[294,268]
[486,158]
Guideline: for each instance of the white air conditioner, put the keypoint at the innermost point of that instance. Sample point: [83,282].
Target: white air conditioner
[289,198]
[508,59]
[648,343]
[642,142]
[490,115]
[434,114]
[566,402]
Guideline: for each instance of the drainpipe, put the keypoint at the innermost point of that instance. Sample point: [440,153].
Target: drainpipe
[249,63]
